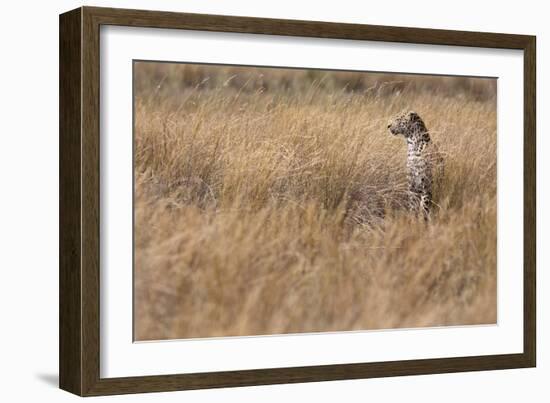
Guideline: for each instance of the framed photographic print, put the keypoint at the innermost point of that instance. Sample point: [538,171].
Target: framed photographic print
[249,201]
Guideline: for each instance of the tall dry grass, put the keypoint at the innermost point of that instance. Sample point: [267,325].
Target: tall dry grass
[269,201]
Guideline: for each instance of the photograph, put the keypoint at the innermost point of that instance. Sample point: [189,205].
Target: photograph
[275,200]
[252,199]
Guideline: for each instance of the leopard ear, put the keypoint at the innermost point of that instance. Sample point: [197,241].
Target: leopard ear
[414,116]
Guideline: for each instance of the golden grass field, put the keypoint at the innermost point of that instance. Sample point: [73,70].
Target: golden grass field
[246,202]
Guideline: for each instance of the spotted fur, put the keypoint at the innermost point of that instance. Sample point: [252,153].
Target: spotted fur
[422,157]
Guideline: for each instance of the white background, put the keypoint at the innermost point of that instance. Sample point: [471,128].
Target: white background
[120,357]
[29,202]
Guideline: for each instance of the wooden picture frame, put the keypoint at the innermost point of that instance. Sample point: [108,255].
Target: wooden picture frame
[79,346]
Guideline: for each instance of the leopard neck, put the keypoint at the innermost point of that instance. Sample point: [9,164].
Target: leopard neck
[417,142]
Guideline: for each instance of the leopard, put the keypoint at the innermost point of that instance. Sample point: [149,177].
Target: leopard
[423,158]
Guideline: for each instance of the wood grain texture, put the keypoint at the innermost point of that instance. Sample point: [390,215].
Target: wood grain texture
[70,274]
[80,201]
[316,29]
[530,202]
[304,374]
[90,201]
